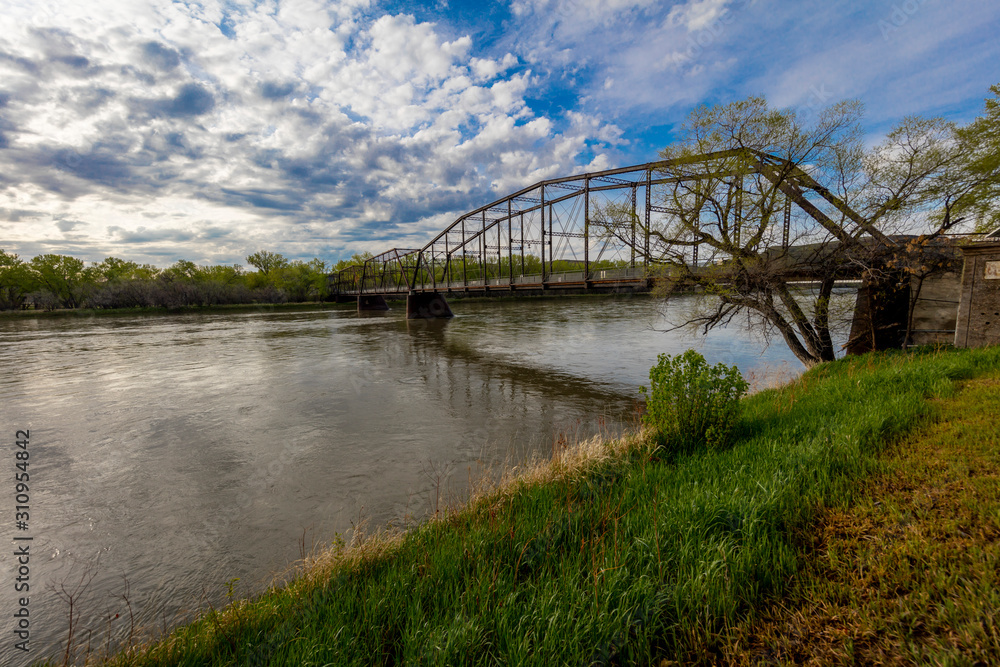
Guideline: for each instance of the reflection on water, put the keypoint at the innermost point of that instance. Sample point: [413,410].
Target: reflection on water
[179,452]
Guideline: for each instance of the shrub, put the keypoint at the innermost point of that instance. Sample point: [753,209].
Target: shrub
[691,405]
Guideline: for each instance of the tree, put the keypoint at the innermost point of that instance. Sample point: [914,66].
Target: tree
[267,262]
[225,275]
[724,189]
[62,276]
[355,259]
[304,281]
[183,269]
[980,146]
[113,268]
[16,281]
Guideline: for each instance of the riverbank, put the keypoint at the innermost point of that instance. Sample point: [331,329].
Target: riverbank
[180,310]
[908,572]
[288,307]
[607,554]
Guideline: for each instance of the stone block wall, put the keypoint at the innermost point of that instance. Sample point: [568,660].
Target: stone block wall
[936,309]
[979,310]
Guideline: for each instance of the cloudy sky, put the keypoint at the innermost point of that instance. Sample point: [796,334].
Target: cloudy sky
[203,130]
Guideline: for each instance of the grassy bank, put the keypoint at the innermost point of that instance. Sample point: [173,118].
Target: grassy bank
[609,555]
[909,573]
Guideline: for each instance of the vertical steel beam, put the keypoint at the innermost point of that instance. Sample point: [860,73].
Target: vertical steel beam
[694,237]
[635,196]
[522,243]
[649,208]
[510,241]
[465,268]
[482,252]
[447,262]
[552,259]
[738,215]
[787,227]
[542,213]
[586,232]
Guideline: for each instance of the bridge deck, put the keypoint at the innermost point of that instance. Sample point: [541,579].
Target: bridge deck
[629,279]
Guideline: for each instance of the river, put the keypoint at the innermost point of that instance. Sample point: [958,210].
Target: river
[172,454]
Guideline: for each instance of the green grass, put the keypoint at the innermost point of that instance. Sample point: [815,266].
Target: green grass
[909,572]
[610,557]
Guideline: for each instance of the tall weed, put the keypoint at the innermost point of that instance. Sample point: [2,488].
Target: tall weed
[691,405]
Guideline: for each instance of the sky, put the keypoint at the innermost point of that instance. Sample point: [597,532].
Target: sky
[157,131]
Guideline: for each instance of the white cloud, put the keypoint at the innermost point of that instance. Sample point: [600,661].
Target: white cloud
[697,14]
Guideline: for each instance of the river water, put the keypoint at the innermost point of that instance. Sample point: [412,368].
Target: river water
[172,454]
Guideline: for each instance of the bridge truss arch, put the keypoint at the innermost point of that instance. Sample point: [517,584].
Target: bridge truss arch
[554,234]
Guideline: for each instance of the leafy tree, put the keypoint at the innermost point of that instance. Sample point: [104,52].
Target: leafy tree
[267,262]
[356,258]
[184,270]
[62,276]
[113,268]
[221,273]
[16,281]
[304,281]
[980,168]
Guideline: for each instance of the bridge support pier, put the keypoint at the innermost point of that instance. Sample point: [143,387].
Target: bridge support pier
[426,306]
[980,296]
[879,315]
[371,302]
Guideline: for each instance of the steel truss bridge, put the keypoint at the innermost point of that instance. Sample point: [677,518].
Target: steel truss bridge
[545,238]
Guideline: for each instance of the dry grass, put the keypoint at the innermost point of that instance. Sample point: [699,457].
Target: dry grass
[910,573]
[568,460]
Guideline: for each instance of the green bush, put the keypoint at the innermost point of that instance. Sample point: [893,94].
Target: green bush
[691,405]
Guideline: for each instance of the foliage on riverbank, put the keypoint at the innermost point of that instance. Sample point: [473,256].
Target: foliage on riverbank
[49,282]
[180,310]
[610,554]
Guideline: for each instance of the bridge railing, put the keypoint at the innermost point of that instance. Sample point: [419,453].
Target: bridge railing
[350,283]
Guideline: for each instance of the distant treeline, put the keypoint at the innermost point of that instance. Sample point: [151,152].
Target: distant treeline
[60,281]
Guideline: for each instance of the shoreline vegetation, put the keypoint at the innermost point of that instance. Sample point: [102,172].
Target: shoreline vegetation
[617,553]
[177,310]
[51,282]
[284,306]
